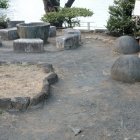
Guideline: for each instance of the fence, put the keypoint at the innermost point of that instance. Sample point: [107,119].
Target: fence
[88,26]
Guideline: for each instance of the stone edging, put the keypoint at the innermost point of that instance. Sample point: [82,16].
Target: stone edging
[23,103]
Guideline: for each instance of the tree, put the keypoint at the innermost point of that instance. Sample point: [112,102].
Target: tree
[3,18]
[53,5]
[67,16]
[120,21]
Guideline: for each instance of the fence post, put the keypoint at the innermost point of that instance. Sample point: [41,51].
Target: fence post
[88,25]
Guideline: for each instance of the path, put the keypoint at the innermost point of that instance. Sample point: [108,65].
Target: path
[85,98]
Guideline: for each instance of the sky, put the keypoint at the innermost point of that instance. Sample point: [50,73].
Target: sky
[32,10]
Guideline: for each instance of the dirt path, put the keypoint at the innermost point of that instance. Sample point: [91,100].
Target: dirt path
[85,99]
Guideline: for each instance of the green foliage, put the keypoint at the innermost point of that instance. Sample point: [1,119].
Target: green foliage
[67,15]
[3,18]
[4,4]
[120,21]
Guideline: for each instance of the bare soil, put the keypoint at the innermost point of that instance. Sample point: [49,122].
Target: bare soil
[85,97]
[20,80]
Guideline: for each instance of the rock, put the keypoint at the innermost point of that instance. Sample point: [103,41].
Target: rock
[34,30]
[46,67]
[126,45]
[38,98]
[5,103]
[28,46]
[52,78]
[67,42]
[9,34]
[76,130]
[46,87]
[52,31]
[20,103]
[13,23]
[126,69]
[72,31]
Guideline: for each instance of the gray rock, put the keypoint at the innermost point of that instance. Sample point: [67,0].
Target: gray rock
[126,69]
[52,31]
[28,46]
[20,103]
[46,87]
[9,34]
[72,31]
[13,23]
[38,98]
[76,130]
[67,42]
[46,67]
[34,30]
[5,103]
[52,78]
[126,45]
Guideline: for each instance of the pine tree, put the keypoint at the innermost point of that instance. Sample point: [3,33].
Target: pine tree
[120,21]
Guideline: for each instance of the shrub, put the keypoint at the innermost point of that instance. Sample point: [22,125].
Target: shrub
[3,18]
[67,16]
[120,21]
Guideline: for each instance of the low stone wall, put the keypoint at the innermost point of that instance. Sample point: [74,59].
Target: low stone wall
[23,103]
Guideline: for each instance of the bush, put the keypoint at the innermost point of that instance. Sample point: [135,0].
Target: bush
[3,18]
[120,21]
[67,16]
[4,4]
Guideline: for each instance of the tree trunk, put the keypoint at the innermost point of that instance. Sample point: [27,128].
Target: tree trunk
[69,3]
[51,5]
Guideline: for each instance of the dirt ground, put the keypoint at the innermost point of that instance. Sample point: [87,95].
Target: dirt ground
[86,104]
[20,80]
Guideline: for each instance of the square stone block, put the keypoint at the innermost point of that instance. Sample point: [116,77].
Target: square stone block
[69,41]
[52,31]
[9,34]
[72,31]
[28,45]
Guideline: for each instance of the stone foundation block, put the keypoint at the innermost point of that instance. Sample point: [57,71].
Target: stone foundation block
[13,23]
[72,31]
[28,46]
[69,41]
[9,34]
[52,31]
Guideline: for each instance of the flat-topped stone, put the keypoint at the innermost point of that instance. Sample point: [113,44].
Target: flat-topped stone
[69,41]
[13,23]
[28,45]
[52,31]
[9,33]
[72,31]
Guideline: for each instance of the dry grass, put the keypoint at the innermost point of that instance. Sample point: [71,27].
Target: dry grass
[20,80]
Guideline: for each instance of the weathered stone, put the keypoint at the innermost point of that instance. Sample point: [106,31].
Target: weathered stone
[28,46]
[5,103]
[9,34]
[46,87]
[70,41]
[34,30]
[38,98]
[52,78]
[20,103]
[52,31]
[126,45]
[126,69]
[72,31]
[14,23]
